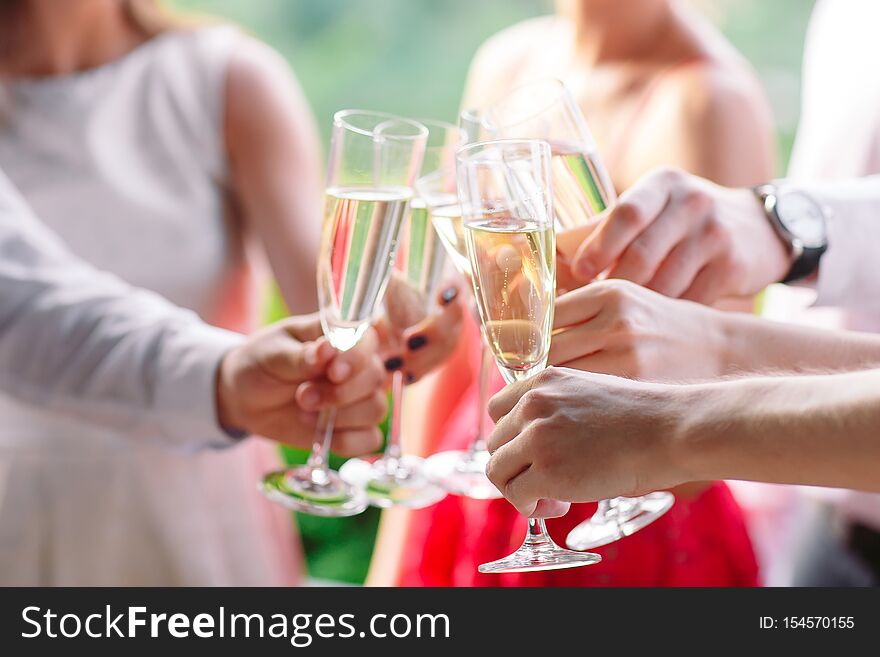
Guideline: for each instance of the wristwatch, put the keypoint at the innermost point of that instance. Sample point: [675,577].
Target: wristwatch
[800,222]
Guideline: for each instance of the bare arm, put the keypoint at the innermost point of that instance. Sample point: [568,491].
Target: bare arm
[576,437]
[276,167]
[81,342]
[817,430]
[616,327]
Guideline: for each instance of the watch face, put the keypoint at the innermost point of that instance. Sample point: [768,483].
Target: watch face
[802,217]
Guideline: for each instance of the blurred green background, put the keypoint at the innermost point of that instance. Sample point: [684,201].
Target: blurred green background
[411,57]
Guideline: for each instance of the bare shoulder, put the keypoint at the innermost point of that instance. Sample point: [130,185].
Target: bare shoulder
[517,37]
[710,115]
[255,68]
[720,94]
[498,59]
[717,87]
[265,105]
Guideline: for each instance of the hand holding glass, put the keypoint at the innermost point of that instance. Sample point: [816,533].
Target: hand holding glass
[582,189]
[505,194]
[372,165]
[397,479]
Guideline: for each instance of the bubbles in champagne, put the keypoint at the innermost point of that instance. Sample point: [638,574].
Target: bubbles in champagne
[418,267]
[358,244]
[514,277]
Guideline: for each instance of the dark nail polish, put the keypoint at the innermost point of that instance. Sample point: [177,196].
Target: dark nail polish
[410,377]
[417,342]
[449,295]
[394,363]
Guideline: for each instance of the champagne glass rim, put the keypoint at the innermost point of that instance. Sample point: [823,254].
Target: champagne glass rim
[430,196]
[560,91]
[466,151]
[344,118]
[471,114]
[439,123]
[446,127]
[435,175]
[468,156]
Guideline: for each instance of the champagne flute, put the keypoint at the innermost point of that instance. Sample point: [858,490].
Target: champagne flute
[582,189]
[546,110]
[470,120]
[461,472]
[458,471]
[505,193]
[372,164]
[395,479]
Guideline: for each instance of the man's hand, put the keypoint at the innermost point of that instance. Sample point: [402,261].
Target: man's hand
[275,384]
[617,327]
[684,236]
[578,437]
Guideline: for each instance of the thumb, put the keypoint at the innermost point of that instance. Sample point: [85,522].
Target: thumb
[550,509]
[292,361]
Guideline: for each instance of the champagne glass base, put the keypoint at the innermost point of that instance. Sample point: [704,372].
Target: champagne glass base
[313,491]
[626,517]
[548,556]
[462,472]
[404,485]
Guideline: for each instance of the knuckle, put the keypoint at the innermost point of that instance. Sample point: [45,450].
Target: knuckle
[670,175]
[717,234]
[492,408]
[532,403]
[629,215]
[545,376]
[731,265]
[614,287]
[492,470]
[624,326]
[695,201]
[618,292]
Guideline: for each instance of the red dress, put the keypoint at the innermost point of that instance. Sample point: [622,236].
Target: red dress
[699,542]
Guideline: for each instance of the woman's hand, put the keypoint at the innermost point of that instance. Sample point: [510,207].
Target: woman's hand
[412,341]
[617,327]
[275,384]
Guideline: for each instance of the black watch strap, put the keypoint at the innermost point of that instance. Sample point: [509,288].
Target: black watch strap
[805,259]
[804,266]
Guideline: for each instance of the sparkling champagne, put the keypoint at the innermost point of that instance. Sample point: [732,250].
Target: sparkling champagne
[358,243]
[582,187]
[420,256]
[514,275]
[447,222]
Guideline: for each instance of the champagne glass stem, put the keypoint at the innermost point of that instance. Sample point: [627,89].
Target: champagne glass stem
[537,534]
[479,442]
[320,454]
[393,449]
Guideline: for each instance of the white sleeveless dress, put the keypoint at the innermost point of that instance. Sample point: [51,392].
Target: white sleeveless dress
[126,163]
